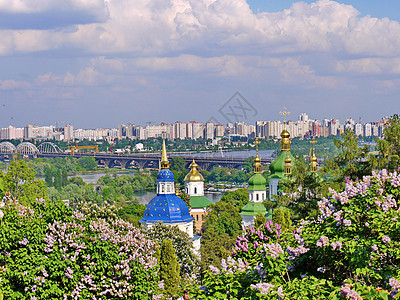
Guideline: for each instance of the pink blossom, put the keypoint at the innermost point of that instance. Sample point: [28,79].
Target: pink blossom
[386,239]
[395,284]
[263,288]
[348,293]
[323,241]
[347,222]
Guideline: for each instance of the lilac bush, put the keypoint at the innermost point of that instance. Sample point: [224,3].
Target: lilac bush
[49,251]
[362,225]
[350,251]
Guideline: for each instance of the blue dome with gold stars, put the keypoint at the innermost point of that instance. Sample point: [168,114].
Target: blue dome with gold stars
[166,208]
[165,175]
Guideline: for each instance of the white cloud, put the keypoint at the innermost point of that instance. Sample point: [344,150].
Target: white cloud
[221,27]
[370,66]
[9,85]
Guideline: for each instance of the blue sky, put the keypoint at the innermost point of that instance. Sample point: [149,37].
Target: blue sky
[378,9]
[101,63]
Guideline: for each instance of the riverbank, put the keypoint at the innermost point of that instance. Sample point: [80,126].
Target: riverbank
[104,171]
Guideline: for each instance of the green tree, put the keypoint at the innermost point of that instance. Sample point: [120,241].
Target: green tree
[21,182]
[77,180]
[281,216]
[57,179]
[185,198]
[88,163]
[238,198]
[389,147]
[189,263]
[169,269]
[259,220]
[48,177]
[352,160]
[132,213]
[64,178]
[301,190]
[223,224]
[178,168]
[248,164]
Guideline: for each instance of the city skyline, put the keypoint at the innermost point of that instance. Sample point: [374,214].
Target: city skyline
[303,127]
[105,63]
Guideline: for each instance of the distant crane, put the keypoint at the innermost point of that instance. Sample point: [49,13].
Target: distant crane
[73,148]
[112,145]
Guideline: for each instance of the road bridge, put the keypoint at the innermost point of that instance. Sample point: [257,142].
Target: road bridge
[123,161]
[143,161]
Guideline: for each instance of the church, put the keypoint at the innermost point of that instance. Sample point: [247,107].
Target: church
[167,207]
[194,188]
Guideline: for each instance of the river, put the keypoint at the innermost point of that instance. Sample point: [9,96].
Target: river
[146,196]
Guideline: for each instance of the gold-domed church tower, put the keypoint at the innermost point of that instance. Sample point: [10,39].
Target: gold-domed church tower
[194,187]
[282,166]
[313,159]
[257,194]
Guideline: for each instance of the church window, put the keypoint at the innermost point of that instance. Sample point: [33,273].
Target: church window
[257,196]
[168,188]
[263,196]
[195,190]
[197,217]
[162,189]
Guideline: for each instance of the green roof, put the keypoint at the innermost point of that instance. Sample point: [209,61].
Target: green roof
[257,182]
[277,167]
[199,201]
[253,208]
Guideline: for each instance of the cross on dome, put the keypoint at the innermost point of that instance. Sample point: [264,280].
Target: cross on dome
[284,113]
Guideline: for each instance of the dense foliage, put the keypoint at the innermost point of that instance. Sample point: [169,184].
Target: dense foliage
[349,251]
[351,161]
[302,190]
[20,181]
[49,251]
[116,189]
[222,226]
[187,260]
[389,147]
[238,198]
[70,164]
[169,269]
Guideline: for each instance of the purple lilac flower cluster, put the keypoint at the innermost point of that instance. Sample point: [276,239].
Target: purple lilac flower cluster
[323,241]
[336,245]
[257,238]
[348,293]
[230,266]
[386,239]
[262,287]
[70,239]
[22,211]
[395,284]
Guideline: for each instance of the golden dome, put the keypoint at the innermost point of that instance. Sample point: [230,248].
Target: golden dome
[285,141]
[288,160]
[314,158]
[194,174]
[285,134]
[257,164]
